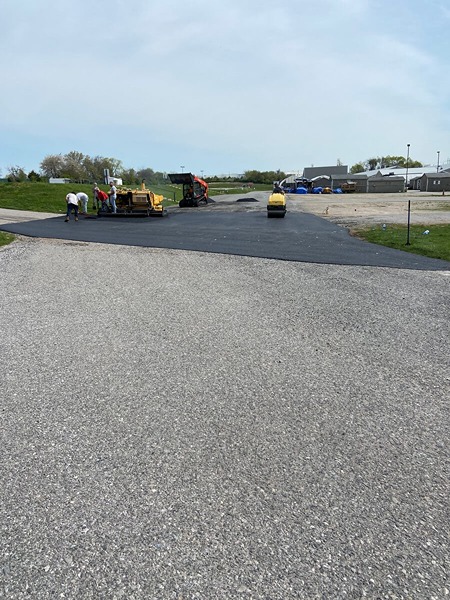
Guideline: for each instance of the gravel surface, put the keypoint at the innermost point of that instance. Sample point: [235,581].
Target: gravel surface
[184,425]
[360,210]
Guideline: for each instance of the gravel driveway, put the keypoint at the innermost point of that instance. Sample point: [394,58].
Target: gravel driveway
[185,425]
[354,210]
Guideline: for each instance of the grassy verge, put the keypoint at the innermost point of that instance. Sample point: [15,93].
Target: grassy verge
[51,198]
[216,189]
[6,238]
[435,244]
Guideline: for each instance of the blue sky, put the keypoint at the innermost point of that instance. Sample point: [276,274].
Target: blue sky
[224,87]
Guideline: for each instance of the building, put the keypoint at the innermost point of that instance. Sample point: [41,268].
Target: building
[382,184]
[391,172]
[58,180]
[312,172]
[360,180]
[432,182]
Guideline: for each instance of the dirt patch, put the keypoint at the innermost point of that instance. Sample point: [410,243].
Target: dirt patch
[358,210]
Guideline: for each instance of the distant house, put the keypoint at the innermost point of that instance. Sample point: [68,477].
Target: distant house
[312,172]
[321,181]
[433,182]
[408,174]
[114,180]
[379,183]
[376,183]
[414,183]
[59,180]
[360,180]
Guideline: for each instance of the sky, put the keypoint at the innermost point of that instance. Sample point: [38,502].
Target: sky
[223,87]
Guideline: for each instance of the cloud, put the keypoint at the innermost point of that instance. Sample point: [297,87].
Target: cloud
[218,82]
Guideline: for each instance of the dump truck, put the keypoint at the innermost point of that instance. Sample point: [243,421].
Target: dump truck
[136,202]
[195,190]
[276,205]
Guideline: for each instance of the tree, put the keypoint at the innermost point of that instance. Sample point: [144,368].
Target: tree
[384,162]
[73,166]
[358,168]
[52,165]
[147,174]
[16,173]
[266,177]
[33,176]
[130,177]
[371,164]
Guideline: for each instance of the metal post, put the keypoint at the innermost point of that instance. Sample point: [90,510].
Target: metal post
[407,165]
[437,170]
[409,222]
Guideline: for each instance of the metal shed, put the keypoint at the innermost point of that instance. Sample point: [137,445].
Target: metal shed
[382,184]
[311,172]
[435,182]
[360,180]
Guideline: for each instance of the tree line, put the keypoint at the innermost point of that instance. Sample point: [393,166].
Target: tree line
[384,162]
[82,168]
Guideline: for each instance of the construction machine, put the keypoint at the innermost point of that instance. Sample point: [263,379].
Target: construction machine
[137,202]
[276,206]
[195,190]
[348,187]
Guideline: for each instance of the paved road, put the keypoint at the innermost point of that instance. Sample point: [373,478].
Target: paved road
[187,425]
[231,228]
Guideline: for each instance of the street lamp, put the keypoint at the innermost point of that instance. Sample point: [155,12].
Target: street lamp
[437,170]
[202,173]
[409,201]
[407,165]
[182,168]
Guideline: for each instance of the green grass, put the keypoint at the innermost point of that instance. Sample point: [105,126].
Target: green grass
[47,197]
[218,188]
[435,244]
[40,197]
[51,197]
[6,238]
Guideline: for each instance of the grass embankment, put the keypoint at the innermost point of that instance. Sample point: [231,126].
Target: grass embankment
[47,197]
[224,187]
[51,198]
[435,244]
[6,238]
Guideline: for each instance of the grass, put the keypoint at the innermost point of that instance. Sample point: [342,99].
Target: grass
[435,244]
[6,238]
[225,187]
[51,197]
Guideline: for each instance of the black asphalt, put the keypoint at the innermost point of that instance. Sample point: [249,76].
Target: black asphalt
[298,237]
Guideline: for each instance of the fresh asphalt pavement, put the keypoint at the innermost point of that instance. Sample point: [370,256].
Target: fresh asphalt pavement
[245,232]
[191,425]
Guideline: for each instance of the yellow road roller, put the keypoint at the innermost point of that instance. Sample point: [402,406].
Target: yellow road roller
[276,206]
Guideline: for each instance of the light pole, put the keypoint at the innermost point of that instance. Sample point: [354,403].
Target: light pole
[407,165]
[182,168]
[409,201]
[438,153]
[202,173]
